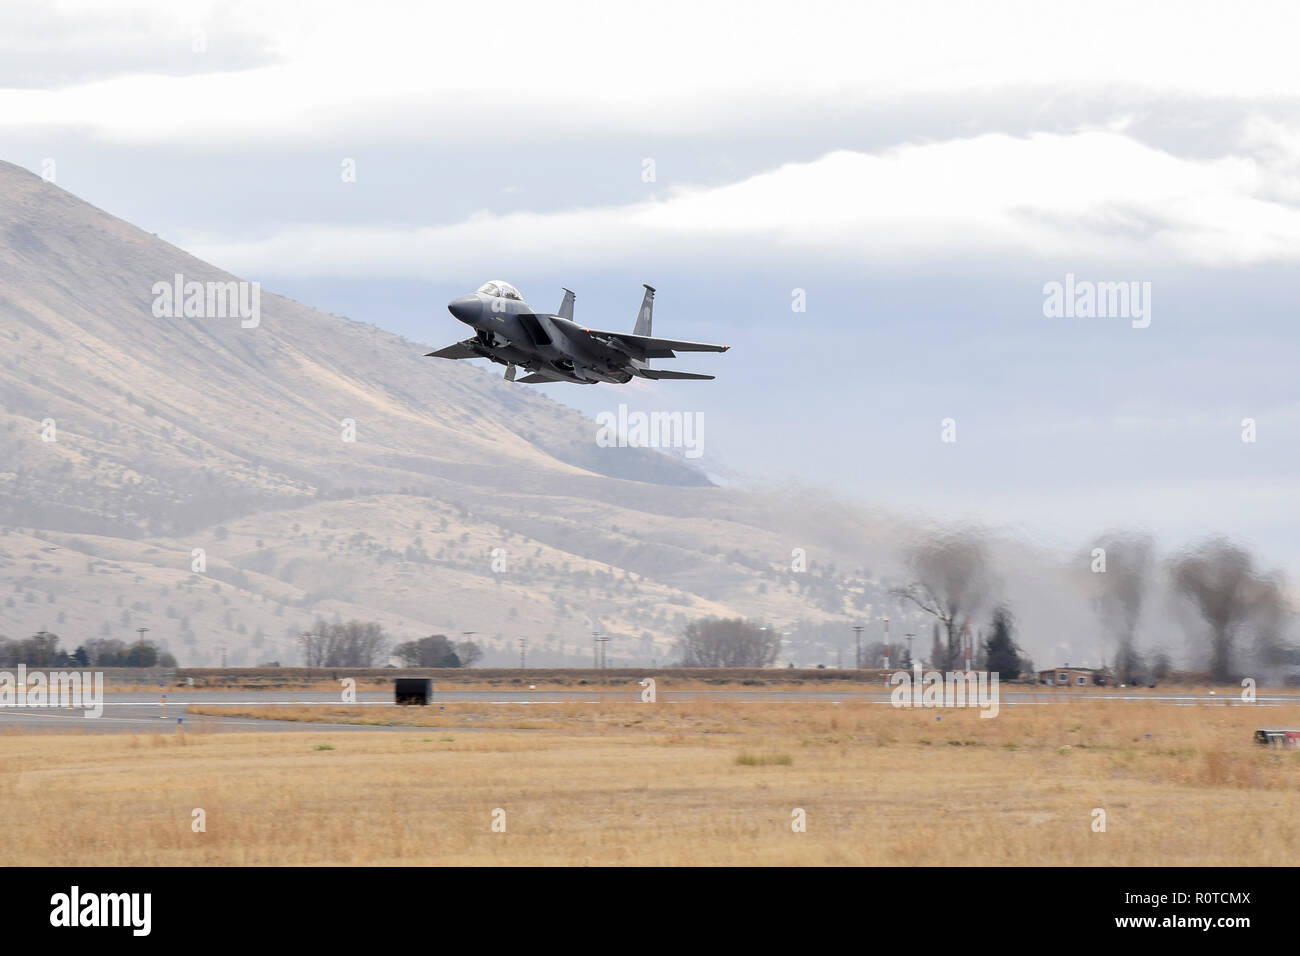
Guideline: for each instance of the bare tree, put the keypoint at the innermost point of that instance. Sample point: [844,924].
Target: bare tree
[354,644]
[728,643]
[951,580]
[1234,598]
[1119,589]
[312,642]
[469,652]
[938,651]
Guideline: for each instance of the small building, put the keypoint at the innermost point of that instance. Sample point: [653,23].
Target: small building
[1067,676]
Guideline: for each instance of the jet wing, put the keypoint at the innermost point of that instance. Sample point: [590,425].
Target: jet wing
[461,350]
[663,373]
[648,346]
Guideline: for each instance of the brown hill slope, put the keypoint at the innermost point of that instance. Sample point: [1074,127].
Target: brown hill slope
[176,434]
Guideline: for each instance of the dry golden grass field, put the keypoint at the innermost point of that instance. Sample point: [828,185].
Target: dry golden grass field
[696,782]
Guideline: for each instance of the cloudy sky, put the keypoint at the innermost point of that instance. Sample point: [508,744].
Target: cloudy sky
[920,171]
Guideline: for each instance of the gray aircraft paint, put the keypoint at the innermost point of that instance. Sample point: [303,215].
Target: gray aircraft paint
[554,348]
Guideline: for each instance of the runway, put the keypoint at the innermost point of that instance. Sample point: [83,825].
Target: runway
[137,712]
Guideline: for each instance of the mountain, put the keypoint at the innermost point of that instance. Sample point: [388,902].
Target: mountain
[130,441]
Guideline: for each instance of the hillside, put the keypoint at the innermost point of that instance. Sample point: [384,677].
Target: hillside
[173,434]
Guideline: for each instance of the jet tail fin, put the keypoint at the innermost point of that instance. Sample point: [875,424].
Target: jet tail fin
[566,307]
[643,317]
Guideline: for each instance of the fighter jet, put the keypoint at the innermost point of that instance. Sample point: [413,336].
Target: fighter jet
[551,347]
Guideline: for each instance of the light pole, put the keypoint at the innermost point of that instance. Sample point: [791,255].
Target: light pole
[857,645]
[140,643]
[523,648]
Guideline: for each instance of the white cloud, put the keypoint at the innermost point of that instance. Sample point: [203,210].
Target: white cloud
[505,71]
[47,44]
[1095,196]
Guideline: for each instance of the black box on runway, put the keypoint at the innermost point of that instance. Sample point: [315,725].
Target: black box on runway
[413,690]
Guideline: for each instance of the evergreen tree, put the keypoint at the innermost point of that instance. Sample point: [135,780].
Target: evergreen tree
[1000,649]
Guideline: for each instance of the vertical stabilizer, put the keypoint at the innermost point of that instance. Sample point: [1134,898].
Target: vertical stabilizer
[565,310]
[644,316]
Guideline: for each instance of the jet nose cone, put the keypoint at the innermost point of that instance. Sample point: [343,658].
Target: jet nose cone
[466,308]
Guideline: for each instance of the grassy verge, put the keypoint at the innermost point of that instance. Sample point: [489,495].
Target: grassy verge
[708,782]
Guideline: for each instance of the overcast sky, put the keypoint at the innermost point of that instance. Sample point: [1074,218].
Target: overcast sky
[920,171]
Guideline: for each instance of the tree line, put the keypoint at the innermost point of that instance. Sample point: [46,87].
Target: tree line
[364,644]
[1234,613]
[42,650]
[349,644]
[736,642]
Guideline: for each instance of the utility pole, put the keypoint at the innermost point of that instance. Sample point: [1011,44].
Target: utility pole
[857,645]
[140,644]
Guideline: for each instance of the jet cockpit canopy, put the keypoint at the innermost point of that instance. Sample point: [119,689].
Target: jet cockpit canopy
[503,290]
